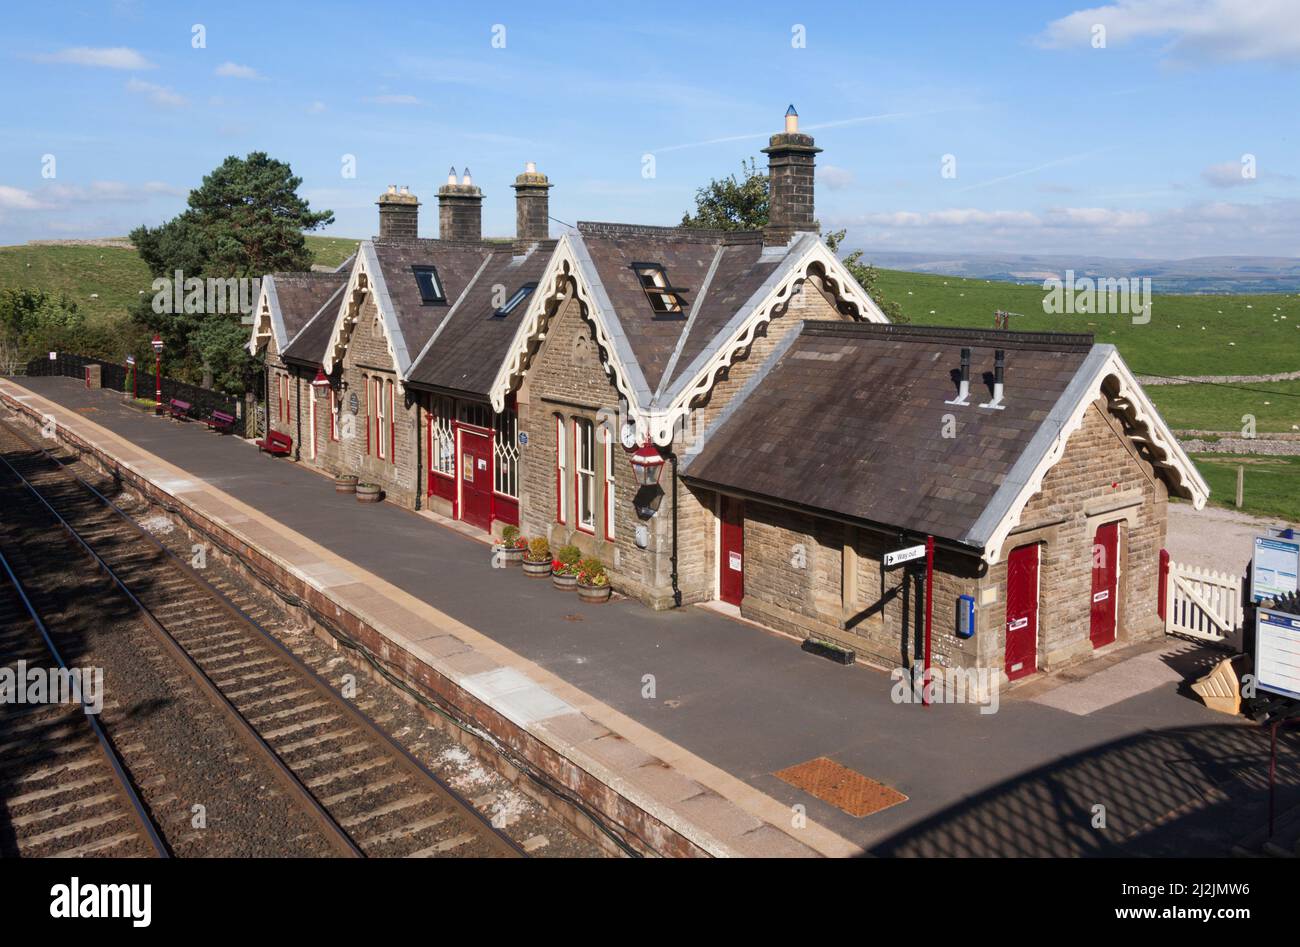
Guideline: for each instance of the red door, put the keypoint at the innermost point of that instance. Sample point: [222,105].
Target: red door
[1105,584]
[1022,612]
[475,472]
[731,551]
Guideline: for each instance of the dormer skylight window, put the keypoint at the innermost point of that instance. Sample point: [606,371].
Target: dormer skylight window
[513,302]
[662,296]
[426,277]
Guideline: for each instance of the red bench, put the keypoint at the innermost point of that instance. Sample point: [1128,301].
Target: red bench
[221,422]
[180,410]
[276,443]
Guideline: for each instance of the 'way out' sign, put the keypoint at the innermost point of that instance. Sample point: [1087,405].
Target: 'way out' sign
[899,556]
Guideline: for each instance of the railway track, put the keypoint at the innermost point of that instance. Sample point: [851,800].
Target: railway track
[67,791]
[362,790]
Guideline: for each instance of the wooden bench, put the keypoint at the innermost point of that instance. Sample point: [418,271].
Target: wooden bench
[221,422]
[180,410]
[276,443]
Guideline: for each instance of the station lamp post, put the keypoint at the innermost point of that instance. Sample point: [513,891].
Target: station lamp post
[158,349]
[647,464]
[320,384]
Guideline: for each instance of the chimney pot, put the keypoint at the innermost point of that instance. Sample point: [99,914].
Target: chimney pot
[790,170]
[532,205]
[399,214]
[460,209]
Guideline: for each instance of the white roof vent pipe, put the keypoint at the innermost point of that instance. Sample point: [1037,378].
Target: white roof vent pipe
[999,369]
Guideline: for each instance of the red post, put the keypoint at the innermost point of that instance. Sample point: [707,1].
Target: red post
[157,388]
[929,616]
[1162,588]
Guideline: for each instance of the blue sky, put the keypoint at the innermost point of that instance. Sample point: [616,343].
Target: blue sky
[1134,148]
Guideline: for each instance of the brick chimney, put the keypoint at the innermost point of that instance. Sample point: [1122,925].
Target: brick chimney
[399,214]
[532,205]
[460,209]
[790,177]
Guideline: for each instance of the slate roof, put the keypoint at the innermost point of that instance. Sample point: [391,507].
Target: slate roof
[456,264]
[849,421]
[715,272]
[301,296]
[467,347]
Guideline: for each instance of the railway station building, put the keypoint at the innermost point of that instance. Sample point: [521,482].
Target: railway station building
[726,416]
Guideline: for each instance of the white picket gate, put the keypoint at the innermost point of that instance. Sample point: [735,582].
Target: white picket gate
[1202,603]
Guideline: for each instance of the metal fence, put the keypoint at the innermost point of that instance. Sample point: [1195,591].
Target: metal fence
[117,377]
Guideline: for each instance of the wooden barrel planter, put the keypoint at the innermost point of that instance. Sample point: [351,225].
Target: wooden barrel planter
[537,570]
[593,594]
[345,483]
[369,493]
[506,557]
[565,583]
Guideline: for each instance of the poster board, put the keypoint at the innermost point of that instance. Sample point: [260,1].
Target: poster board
[1274,567]
[1277,652]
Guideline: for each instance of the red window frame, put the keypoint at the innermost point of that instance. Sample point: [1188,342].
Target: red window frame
[610,484]
[584,425]
[561,471]
[334,415]
[392,422]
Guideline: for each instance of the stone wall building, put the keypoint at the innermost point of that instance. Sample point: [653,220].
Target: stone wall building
[801,437]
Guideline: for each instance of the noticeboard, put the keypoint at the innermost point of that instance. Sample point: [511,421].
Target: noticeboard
[1273,569]
[1277,652]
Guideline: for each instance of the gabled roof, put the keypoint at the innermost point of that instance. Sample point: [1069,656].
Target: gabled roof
[849,419]
[730,284]
[465,350]
[309,344]
[385,271]
[292,299]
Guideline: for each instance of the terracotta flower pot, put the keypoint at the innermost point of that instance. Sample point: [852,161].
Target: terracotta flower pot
[565,583]
[506,557]
[537,570]
[593,594]
[345,483]
[369,493]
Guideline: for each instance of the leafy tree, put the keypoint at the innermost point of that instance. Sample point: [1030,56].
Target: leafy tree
[732,204]
[244,220]
[28,319]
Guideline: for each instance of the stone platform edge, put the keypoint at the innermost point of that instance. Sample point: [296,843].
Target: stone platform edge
[596,752]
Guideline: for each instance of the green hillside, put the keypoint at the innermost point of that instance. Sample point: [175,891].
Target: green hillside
[1187,335]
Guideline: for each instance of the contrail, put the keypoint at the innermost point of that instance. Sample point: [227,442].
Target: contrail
[884,116]
[1035,169]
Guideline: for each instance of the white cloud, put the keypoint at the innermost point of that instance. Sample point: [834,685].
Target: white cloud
[15,198]
[1205,229]
[394,100]
[157,94]
[233,70]
[1227,174]
[1223,30]
[113,57]
[835,178]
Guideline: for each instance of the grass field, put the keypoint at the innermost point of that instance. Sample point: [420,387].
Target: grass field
[117,276]
[1187,335]
[1271,486]
[331,251]
[1275,405]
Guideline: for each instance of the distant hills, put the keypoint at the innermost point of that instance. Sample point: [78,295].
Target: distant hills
[1210,274]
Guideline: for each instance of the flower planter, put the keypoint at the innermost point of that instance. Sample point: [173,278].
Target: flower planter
[593,594]
[537,570]
[565,583]
[369,493]
[346,483]
[505,557]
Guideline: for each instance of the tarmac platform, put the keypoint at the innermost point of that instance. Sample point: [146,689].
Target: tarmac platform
[693,767]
